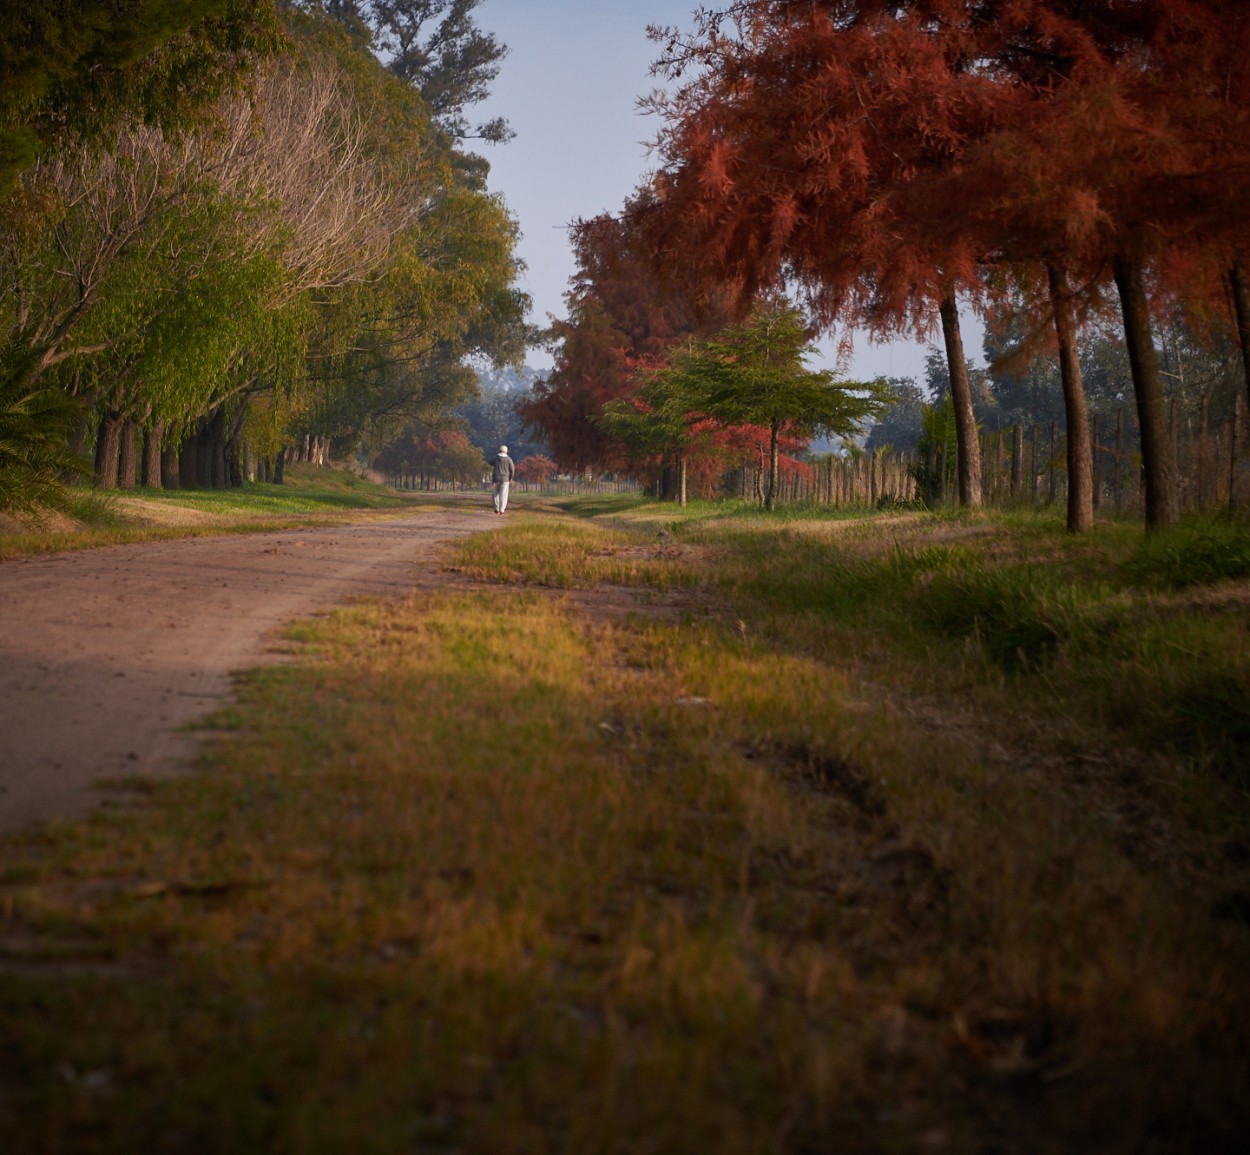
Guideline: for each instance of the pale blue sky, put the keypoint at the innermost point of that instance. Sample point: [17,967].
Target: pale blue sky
[569,86]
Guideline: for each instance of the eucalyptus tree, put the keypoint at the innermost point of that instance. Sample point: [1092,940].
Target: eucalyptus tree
[318,251]
[396,345]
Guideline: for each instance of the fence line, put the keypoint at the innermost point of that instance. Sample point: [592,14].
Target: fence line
[1024,465]
[426,483]
[1027,466]
[859,480]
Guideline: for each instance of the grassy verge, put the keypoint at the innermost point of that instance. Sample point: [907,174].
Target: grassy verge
[867,858]
[311,495]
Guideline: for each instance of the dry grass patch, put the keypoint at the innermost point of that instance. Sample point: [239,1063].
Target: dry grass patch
[146,512]
[549,552]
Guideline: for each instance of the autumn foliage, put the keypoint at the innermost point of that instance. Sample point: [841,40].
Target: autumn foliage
[622,319]
[884,158]
[537,469]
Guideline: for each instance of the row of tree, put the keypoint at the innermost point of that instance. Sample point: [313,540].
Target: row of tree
[1019,385]
[228,223]
[431,459]
[887,160]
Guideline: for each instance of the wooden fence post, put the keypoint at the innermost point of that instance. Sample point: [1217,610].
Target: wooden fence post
[1096,449]
[1017,455]
[1033,464]
[1050,468]
[1236,447]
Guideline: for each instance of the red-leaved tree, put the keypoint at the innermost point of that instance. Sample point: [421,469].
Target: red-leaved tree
[789,153]
[536,469]
[621,320]
[884,155]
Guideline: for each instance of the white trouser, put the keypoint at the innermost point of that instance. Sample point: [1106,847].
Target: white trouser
[501,495]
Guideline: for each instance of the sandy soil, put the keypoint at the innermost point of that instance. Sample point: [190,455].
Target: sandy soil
[106,654]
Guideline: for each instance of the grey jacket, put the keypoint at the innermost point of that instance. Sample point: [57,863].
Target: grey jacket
[502,468]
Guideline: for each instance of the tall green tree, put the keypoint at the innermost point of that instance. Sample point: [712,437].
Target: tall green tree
[899,426]
[437,47]
[661,421]
[756,374]
[751,376]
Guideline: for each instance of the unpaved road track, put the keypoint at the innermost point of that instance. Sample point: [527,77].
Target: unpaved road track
[105,654]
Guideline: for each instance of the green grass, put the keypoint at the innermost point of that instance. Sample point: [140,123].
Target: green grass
[1145,641]
[307,489]
[310,496]
[886,851]
[1199,553]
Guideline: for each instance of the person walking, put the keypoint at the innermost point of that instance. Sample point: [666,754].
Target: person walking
[502,471]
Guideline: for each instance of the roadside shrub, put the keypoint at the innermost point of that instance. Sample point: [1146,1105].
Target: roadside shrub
[1200,712]
[1196,554]
[35,457]
[1017,621]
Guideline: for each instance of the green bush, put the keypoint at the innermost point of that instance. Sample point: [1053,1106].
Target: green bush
[1017,620]
[1196,554]
[34,447]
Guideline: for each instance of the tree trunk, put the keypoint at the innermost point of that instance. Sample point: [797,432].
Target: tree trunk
[1076,412]
[774,463]
[1119,458]
[128,456]
[1206,453]
[218,465]
[1235,451]
[1158,460]
[78,429]
[170,474]
[108,451]
[1241,308]
[152,456]
[279,466]
[203,462]
[188,460]
[681,491]
[1033,474]
[218,472]
[1050,468]
[968,449]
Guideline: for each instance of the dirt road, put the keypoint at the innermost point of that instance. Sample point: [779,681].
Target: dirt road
[105,654]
